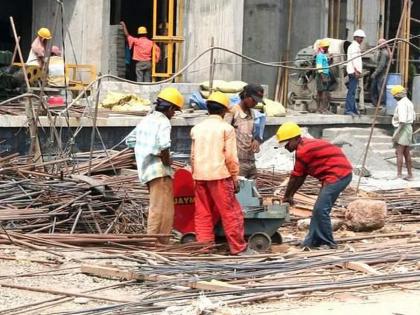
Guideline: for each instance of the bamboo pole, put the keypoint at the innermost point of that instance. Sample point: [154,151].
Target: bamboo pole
[286,71]
[35,148]
[380,96]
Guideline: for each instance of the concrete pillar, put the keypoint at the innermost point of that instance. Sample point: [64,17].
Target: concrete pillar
[86,30]
[265,33]
[221,19]
[370,20]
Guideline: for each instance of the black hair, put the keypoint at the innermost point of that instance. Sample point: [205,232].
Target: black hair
[215,108]
[243,95]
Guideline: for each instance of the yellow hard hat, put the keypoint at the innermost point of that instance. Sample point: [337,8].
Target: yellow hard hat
[397,89]
[220,98]
[45,33]
[324,42]
[173,96]
[287,131]
[142,30]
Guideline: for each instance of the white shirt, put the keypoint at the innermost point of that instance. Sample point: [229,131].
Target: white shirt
[352,52]
[404,112]
[32,59]
[153,135]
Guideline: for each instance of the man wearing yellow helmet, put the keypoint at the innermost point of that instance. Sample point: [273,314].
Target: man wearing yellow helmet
[403,119]
[152,138]
[37,53]
[215,168]
[324,161]
[323,78]
[142,52]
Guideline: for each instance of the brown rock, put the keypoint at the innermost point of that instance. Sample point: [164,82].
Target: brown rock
[366,215]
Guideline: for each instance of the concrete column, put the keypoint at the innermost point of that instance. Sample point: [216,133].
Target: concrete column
[265,33]
[370,20]
[221,19]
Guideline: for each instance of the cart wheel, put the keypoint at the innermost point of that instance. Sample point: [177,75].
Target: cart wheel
[259,241]
[188,238]
[277,238]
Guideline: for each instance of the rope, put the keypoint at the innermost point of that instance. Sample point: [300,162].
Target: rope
[187,66]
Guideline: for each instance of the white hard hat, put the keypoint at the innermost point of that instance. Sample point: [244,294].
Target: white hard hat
[359,33]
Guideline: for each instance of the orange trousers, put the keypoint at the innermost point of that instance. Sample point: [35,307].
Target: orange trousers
[214,200]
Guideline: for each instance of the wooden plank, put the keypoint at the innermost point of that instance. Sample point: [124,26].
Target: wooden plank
[116,273]
[362,267]
[110,272]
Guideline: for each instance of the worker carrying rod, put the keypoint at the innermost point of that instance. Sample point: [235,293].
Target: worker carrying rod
[215,169]
[321,160]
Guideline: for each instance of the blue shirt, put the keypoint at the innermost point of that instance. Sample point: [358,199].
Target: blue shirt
[322,63]
[153,135]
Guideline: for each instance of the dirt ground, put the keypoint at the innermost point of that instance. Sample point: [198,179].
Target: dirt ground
[66,276]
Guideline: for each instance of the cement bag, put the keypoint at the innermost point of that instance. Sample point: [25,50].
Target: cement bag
[274,109]
[114,98]
[232,87]
[205,86]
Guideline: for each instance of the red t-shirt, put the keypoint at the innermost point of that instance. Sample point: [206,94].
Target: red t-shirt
[142,48]
[321,160]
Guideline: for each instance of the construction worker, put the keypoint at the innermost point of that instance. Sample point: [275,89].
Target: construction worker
[215,169]
[242,118]
[403,119]
[152,145]
[323,78]
[142,52]
[38,48]
[378,75]
[321,160]
[354,71]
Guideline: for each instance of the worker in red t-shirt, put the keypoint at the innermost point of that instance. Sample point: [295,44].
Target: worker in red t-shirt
[324,161]
[142,52]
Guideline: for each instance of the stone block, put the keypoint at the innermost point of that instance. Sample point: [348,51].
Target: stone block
[364,215]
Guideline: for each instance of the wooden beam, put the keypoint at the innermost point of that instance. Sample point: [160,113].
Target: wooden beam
[362,267]
[116,273]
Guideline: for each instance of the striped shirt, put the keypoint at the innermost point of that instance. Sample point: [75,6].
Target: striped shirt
[153,135]
[321,160]
[244,128]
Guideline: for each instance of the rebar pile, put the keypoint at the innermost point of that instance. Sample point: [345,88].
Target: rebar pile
[278,276]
